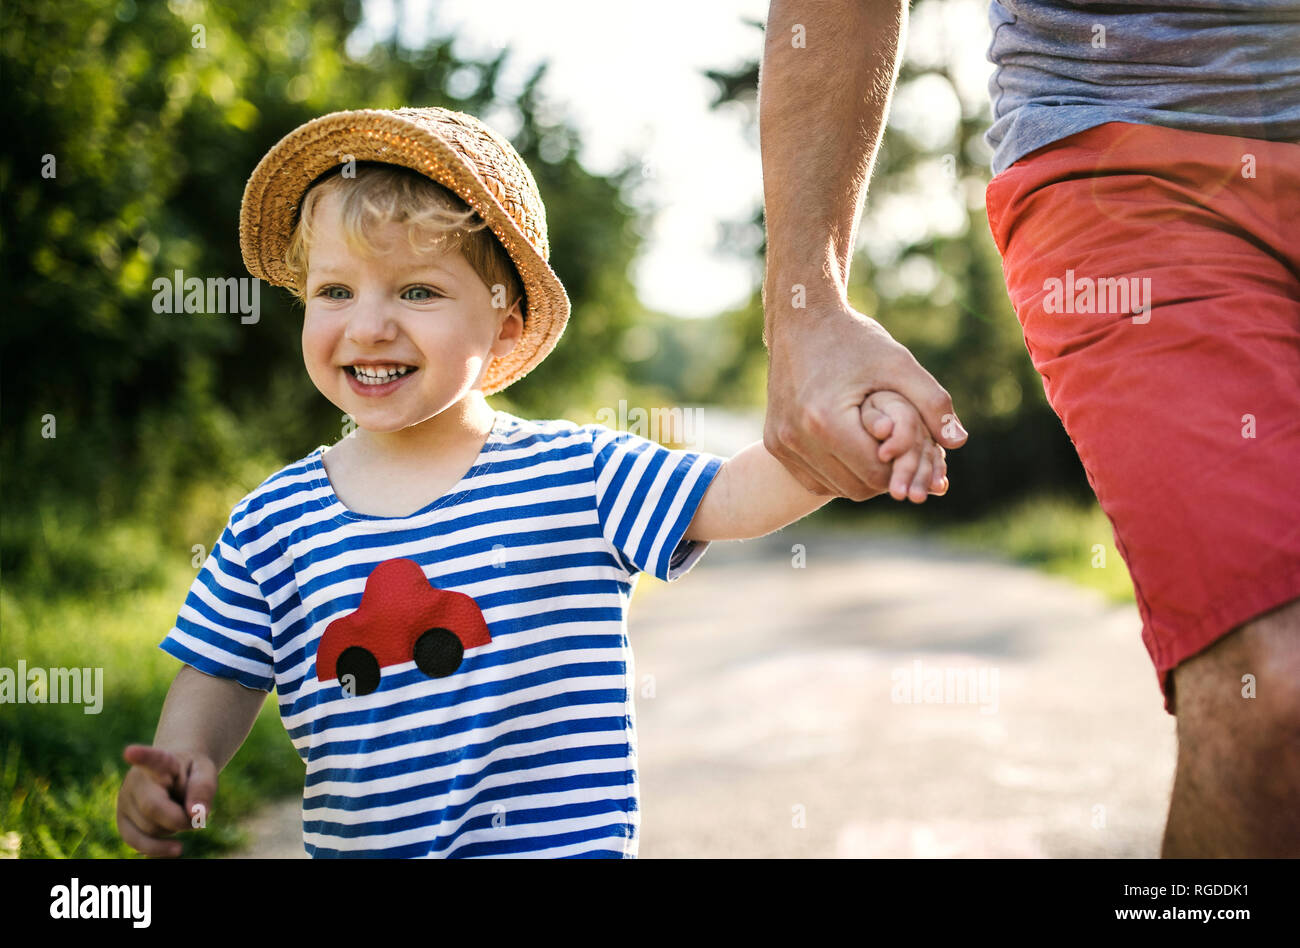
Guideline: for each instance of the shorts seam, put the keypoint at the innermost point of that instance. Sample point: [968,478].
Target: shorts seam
[1232,612]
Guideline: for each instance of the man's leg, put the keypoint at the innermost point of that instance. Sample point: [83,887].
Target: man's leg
[1185,419]
[1237,786]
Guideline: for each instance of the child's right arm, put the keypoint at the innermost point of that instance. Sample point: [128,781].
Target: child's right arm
[204,721]
[754,493]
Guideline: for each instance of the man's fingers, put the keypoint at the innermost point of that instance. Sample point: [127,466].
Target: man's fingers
[950,431]
[854,462]
[933,402]
[778,433]
[811,463]
[840,481]
[797,468]
[850,484]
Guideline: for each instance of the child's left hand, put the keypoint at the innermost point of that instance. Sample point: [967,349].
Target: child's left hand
[920,467]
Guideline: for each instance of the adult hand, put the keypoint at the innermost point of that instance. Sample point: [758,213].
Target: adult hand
[822,365]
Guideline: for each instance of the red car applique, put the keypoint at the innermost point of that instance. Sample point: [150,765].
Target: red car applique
[402,618]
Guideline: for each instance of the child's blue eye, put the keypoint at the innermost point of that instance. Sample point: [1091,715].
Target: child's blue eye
[329,292]
[433,294]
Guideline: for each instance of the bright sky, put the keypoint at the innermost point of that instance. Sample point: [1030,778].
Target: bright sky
[630,78]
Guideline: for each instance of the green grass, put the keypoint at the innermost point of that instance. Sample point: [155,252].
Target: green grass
[60,768]
[1060,536]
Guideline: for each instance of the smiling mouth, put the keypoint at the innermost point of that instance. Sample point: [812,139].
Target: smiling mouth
[378,374]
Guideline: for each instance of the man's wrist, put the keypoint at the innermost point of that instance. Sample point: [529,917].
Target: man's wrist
[791,297]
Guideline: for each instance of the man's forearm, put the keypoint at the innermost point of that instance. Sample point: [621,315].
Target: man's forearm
[824,88]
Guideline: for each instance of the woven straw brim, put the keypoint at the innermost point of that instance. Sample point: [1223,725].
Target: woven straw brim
[463,155]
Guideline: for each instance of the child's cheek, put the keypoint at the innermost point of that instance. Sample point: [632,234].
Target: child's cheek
[317,353]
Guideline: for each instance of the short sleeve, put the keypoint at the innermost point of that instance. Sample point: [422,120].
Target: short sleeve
[646,497]
[224,626]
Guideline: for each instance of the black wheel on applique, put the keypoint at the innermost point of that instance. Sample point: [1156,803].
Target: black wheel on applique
[358,671]
[438,652]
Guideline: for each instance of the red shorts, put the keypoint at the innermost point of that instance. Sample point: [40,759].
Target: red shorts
[1156,275]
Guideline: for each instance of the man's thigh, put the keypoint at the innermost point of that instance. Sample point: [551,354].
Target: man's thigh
[1160,303]
[1247,684]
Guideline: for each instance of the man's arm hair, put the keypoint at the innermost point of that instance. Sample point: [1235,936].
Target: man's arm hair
[824,89]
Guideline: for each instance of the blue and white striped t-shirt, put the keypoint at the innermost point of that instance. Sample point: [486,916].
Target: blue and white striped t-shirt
[527,747]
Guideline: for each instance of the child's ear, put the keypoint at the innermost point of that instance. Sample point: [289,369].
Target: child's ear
[510,331]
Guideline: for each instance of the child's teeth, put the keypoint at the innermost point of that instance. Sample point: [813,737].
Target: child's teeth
[377,375]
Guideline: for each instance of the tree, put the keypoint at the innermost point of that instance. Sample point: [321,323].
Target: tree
[136,126]
[940,294]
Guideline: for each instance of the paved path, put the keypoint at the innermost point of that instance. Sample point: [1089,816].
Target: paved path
[773,719]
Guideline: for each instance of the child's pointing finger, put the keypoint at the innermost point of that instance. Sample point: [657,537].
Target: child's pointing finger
[162,766]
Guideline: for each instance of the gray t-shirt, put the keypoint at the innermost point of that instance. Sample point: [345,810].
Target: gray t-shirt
[1228,67]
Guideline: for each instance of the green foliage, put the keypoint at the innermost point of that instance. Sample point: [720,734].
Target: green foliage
[1057,534]
[150,140]
[60,768]
[128,435]
[956,319]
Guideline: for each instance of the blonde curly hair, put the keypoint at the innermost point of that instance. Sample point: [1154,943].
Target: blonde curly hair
[436,221]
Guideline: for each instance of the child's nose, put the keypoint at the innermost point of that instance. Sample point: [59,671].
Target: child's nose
[371,323]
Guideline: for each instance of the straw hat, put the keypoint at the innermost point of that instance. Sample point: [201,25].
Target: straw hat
[454,149]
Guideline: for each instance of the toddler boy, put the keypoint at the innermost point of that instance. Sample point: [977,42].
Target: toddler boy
[439,600]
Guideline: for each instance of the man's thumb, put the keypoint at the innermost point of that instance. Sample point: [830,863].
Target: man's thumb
[935,405]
